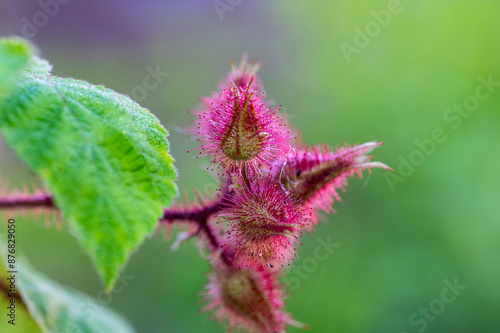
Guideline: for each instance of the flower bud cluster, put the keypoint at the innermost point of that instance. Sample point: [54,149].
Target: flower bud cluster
[271,190]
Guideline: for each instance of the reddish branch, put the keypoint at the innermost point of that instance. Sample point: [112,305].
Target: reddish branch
[27,201]
[198,215]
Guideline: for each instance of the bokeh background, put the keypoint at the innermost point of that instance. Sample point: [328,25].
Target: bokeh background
[399,237]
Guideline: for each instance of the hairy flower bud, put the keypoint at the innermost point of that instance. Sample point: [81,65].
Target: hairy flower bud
[316,173]
[265,222]
[240,131]
[248,299]
[243,75]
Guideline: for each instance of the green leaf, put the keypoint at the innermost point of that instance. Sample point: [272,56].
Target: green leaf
[104,158]
[14,55]
[17,314]
[43,305]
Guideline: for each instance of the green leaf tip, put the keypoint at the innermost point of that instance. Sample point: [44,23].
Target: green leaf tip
[104,158]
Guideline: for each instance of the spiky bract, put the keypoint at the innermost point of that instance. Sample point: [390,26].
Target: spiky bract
[240,131]
[315,174]
[265,222]
[247,299]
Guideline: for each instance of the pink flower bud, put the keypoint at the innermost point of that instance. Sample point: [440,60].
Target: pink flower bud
[240,131]
[265,222]
[243,75]
[316,173]
[247,299]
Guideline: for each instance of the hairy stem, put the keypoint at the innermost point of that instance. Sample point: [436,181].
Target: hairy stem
[27,201]
[199,215]
[245,178]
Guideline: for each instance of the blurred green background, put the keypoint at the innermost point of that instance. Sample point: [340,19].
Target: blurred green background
[341,76]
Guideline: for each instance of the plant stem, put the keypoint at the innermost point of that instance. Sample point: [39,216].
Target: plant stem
[27,201]
[199,215]
[245,178]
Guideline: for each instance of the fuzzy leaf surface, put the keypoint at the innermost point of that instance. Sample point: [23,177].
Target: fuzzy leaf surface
[103,157]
